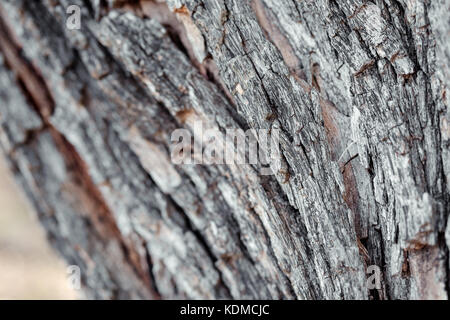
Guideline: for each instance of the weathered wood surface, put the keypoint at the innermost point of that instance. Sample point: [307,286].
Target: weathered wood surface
[357,88]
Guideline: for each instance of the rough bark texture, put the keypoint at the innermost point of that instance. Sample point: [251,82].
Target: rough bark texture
[357,88]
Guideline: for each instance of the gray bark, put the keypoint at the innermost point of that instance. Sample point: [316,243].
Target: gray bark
[357,88]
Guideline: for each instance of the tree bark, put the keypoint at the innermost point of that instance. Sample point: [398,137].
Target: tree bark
[357,89]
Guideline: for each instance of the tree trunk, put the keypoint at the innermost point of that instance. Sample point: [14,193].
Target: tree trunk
[356,89]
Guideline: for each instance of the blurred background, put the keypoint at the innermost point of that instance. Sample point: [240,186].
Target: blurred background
[29,268]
